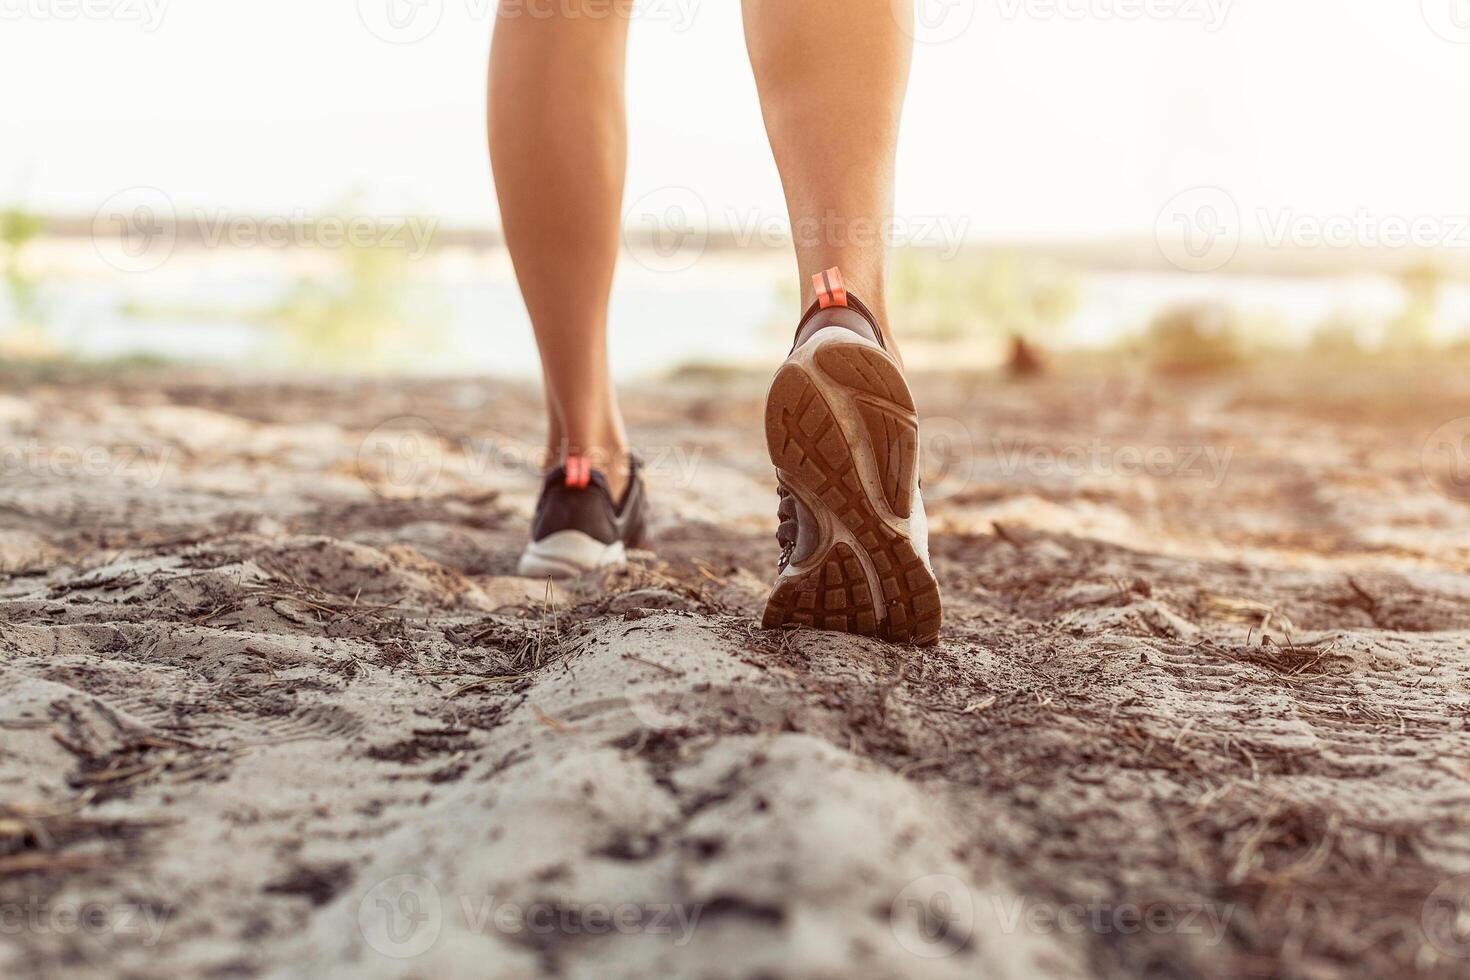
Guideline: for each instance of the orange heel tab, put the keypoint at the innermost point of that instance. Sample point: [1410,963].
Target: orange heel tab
[830,289]
[579,472]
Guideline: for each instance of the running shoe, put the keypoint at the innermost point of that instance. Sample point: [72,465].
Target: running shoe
[578,527]
[843,434]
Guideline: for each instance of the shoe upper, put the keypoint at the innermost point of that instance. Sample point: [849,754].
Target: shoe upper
[575,497]
[854,316]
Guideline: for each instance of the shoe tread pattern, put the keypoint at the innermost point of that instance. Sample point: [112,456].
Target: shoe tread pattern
[887,413]
[806,442]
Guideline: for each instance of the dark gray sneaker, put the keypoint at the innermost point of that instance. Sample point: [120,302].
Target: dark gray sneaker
[843,434]
[578,526]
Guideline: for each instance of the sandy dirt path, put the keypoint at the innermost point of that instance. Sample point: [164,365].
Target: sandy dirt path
[273,704]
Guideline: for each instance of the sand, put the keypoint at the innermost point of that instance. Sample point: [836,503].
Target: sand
[272,702]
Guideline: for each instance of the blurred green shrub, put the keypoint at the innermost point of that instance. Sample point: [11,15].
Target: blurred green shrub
[1413,328]
[1338,336]
[1195,338]
[372,314]
[979,292]
[18,229]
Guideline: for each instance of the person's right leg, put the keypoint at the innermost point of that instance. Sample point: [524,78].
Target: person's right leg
[832,76]
[558,147]
[841,424]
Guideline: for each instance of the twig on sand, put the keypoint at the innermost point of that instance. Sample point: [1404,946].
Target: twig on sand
[918,765]
[555,724]
[213,613]
[1246,856]
[187,773]
[124,774]
[481,683]
[488,631]
[663,667]
[977,706]
[287,597]
[70,746]
[1183,733]
[1255,771]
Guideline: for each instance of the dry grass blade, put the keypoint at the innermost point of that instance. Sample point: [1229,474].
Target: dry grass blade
[555,724]
[483,682]
[549,627]
[981,705]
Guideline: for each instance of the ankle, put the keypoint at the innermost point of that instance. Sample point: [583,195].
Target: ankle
[609,457]
[870,296]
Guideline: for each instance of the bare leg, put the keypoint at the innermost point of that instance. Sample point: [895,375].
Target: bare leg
[832,76]
[558,146]
[841,425]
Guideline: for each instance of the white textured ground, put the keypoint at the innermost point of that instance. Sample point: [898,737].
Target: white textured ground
[272,704]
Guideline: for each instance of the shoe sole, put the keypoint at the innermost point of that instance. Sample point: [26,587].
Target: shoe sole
[844,436]
[569,554]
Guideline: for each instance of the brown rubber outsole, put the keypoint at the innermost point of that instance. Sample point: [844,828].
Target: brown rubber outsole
[843,433]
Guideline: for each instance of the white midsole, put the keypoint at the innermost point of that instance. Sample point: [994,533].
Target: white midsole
[567,554]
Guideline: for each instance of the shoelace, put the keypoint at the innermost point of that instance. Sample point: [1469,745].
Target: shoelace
[786,533]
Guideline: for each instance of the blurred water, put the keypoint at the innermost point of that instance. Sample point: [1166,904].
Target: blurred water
[727,309]
[473,320]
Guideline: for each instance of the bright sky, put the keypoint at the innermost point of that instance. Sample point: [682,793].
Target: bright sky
[1031,118]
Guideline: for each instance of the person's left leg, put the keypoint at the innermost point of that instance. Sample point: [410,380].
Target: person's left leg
[841,424]
[558,149]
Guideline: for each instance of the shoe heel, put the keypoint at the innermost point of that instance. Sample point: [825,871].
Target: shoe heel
[868,578]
